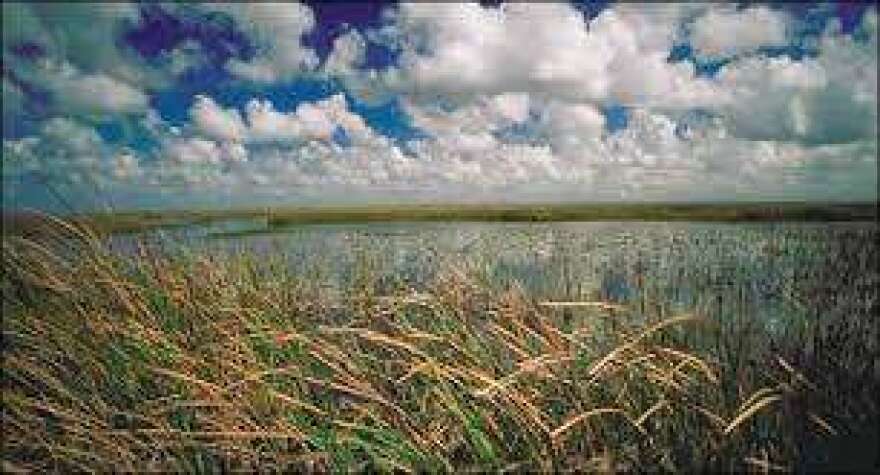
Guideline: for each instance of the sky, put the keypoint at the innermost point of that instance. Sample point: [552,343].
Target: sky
[171,105]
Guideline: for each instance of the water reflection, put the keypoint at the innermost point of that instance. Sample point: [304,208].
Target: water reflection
[768,269]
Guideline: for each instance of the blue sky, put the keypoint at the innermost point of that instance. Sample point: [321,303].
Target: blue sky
[146,105]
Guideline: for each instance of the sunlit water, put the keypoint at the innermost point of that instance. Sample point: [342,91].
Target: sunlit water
[768,270]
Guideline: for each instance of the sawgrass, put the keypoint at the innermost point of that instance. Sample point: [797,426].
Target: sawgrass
[278,218]
[206,362]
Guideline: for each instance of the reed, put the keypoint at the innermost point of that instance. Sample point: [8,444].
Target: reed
[203,362]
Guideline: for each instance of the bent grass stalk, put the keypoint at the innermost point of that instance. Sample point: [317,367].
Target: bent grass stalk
[197,362]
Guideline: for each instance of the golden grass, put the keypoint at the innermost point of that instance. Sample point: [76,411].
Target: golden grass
[196,363]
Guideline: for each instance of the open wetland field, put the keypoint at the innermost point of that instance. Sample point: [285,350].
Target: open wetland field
[543,338]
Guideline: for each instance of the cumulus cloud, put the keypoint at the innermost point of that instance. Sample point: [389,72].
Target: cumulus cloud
[85,35]
[82,33]
[348,54]
[726,31]
[277,30]
[85,95]
[263,123]
[650,159]
[75,54]
[508,101]
[828,99]
[484,114]
[574,121]
[268,125]
[96,94]
[64,151]
[546,50]
[192,151]
[464,48]
[215,122]
[125,166]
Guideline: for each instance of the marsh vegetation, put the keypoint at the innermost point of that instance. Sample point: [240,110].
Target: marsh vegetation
[425,346]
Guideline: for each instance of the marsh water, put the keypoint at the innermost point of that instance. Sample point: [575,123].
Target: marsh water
[768,270]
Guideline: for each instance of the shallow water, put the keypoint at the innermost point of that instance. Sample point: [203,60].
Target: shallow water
[767,270]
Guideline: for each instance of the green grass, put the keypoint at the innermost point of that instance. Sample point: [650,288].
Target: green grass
[203,362]
[276,219]
[580,212]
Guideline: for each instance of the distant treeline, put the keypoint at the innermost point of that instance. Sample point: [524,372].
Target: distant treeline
[133,221]
[582,212]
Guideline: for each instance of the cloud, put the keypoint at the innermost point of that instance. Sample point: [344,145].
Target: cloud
[125,166]
[65,151]
[348,54]
[83,33]
[85,95]
[824,100]
[276,30]
[649,159]
[546,50]
[573,121]
[508,102]
[262,123]
[192,151]
[216,123]
[75,54]
[268,125]
[463,159]
[726,31]
[95,95]
[464,48]
[484,114]
[87,36]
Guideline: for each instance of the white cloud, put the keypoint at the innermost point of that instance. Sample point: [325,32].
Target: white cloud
[85,35]
[268,125]
[509,100]
[853,63]
[510,107]
[215,122]
[262,123]
[233,152]
[483,114]
[574,120]
[192,151]
[464,48]
[73,137]
[188,55]
[316,120]
[829,99]
[67,151]
[648,80]
[125,166]
[277,30]
[546,50]
[81,94]
[95,94]
[725,31]
[348,53]
[82,33]
[82,60]
[310,121]
[647,160]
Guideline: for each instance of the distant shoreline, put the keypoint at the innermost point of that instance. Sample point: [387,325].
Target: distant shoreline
[135,221]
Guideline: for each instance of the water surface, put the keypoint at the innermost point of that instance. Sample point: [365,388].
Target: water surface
[768,270]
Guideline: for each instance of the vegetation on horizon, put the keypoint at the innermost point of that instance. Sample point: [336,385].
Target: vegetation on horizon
[278,218]
[201,362]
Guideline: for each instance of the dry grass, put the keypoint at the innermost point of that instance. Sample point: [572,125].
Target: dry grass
[198,363]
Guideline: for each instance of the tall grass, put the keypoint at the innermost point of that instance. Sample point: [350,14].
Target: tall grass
[203,362]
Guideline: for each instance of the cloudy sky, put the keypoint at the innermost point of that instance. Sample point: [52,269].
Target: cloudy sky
[169,105]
